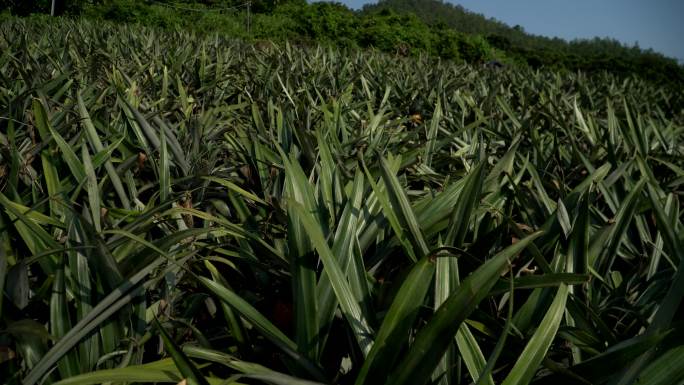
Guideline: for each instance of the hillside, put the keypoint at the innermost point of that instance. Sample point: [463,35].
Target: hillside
[184,207]
[591,55]
[405,27]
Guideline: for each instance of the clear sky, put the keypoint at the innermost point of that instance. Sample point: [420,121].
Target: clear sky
[656,24]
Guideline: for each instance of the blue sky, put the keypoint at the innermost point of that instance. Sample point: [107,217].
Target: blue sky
[656,24]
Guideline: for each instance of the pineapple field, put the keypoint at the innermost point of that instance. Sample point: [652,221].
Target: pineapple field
[189,209]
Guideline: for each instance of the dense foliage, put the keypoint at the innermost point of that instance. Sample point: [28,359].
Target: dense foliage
[598,54]
[177,206]
[405,27]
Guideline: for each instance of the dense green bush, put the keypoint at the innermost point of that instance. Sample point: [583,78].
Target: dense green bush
[391,32]
[447,44]
[267,26]
[474,49]
[323,21]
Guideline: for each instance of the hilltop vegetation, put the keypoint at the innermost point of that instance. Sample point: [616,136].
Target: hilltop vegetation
[598,54]
[178,205]
[405,27]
